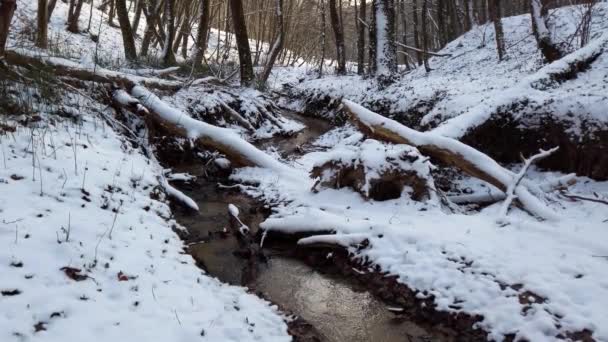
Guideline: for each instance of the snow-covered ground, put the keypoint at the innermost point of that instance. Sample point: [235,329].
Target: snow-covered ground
[468,262]
[88,251]
[88,247]
[471,84]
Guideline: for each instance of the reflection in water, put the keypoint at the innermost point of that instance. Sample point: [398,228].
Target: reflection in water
[331,304]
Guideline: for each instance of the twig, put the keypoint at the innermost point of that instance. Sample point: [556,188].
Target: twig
[583,198]
[518,178]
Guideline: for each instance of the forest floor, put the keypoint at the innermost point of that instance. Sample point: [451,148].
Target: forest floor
[91,248]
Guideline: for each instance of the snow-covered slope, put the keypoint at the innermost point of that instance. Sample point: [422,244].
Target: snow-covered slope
[535,280]
[88,248]
[472,82]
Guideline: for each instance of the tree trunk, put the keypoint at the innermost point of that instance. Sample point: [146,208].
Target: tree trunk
[125,28]
[384,29]
[336,25]
[539,13]
[75,15]
[495,15]
[137,17]
[416,33]
[362,27]
[168,55]
[42,16]
[7,9]
[242,42]
[50,9]
[201,33]
[323,25]
[425,35]
[278,43]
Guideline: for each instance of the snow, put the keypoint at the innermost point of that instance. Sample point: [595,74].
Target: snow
[77,195]
[467,262]
[468,87]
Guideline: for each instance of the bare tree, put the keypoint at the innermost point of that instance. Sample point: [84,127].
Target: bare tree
[42,21]
[361,28]
[168,55]
[242,42]
[385,64]
[277,46]
[74,15]
[416,32]
[201,33]
[495,15]
[323,25]
[125,27]
[336,25]
[425,35]
[7,9]
[539,13]
[51,8]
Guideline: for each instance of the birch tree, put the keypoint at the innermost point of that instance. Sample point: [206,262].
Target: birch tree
[385,64]
[539,13]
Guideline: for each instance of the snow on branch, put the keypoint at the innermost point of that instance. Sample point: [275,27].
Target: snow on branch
[448,150]
[502,215]
[178,195]
[224,140]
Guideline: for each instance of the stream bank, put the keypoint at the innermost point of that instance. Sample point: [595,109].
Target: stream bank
[318,285]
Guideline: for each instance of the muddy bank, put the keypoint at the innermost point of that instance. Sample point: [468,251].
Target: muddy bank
[329,306]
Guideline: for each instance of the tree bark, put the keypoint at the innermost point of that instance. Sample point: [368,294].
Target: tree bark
[539,13]
[495,15]
[50,9]
[42,17]
[137,17]
[125,28]
[384,28]
[75,16]
[425,35]
[277,46]
[201,33]
[242,42]
[7,9]
[361,28]
[416,33]
[168,55]
[337,27]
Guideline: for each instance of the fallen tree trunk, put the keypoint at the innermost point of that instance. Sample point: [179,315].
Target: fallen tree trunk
[449,151]
[240,152]
[65,67]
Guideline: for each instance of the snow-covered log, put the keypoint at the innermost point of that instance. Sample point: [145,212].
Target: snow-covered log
[449,151]
[510,193]
[66,67]
[241,152]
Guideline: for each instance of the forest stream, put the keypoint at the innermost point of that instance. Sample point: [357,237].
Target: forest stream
[338,308]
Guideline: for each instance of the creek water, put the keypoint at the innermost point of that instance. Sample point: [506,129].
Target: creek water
[339,309]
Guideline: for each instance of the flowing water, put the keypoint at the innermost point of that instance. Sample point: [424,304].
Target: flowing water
[339,309]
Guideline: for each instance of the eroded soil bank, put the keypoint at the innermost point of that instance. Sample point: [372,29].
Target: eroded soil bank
[321,286]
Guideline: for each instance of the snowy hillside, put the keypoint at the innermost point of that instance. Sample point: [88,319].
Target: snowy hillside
[471,79]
